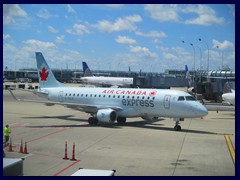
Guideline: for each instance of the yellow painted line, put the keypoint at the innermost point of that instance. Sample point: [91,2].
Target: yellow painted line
[230,147]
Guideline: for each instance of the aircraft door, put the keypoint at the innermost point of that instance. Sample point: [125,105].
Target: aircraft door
[60,96]
[167,101]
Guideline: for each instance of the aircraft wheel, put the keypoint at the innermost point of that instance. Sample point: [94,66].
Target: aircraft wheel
[177,128]
[92,121]
[121,120]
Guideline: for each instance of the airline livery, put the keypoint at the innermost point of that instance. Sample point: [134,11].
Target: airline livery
[116,104]
[104,81]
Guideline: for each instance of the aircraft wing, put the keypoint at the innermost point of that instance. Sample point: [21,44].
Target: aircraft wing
[76,106]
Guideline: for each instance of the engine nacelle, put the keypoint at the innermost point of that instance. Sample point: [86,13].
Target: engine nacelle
[106,115]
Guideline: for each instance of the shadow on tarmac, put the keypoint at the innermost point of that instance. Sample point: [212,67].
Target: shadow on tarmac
[137,124]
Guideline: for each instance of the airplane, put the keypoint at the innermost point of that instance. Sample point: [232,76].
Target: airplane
[229,97]
[107,105]
[89,78]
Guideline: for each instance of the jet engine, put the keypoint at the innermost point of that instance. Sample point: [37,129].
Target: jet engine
[106,115]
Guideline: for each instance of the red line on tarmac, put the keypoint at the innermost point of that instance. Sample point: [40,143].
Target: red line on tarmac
[47,135]
[26,131]
[66,167]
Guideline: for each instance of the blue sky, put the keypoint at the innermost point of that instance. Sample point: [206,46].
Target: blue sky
[114,37]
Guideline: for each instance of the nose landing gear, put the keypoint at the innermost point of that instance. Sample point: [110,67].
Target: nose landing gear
[177,127]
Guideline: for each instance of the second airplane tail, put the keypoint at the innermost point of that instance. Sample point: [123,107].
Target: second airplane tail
[45,75]
[86,71]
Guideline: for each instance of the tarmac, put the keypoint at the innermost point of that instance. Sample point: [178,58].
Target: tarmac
[204,147]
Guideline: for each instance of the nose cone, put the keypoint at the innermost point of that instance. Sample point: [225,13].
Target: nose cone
[199,110]
[202,111]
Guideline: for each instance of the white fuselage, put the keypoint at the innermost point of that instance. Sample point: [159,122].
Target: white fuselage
[229,98]
[108,81]
[131,102]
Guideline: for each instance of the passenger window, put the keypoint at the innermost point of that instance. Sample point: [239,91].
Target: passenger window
[153,98]
[143,97]
[77,94]
[109,96]
[104,96]
[181,98]
[70,94]
[118,96]
[73,94]
[66,94]
[95,95]
[99,96]
[133,97]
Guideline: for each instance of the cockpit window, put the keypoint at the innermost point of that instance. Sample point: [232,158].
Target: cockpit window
[190,98]
[181,98]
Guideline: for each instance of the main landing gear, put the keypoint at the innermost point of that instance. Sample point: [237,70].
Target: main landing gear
[121,120]
[93,121]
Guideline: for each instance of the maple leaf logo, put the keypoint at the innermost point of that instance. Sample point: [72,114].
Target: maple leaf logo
[43,74]
[152,93]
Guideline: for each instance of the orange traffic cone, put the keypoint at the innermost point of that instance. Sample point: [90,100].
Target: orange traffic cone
[25,148]
[65,154]
[10,146]
[21,147]
[73,153]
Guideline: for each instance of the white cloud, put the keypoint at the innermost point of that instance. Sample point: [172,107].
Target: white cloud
[125,23]
[142,51]
[206,15]
[52,29]
[169,56]
[10,11]
[155,34]
[43,13]
[114,5]
[222,46]
[78,29]
[70,9]
[6,36]
[163,12]
[37,45]
[24,56]
[59,39]
[125,40]
[13,10]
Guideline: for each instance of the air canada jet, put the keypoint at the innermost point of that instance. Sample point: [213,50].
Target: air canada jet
[89,78]
[116,104]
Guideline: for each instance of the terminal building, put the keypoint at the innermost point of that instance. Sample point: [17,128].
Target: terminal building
[210,84]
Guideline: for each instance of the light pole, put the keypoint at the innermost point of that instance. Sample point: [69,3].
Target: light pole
[222,56]
[194,73]
[200,61]
[208,52]
[191,44]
